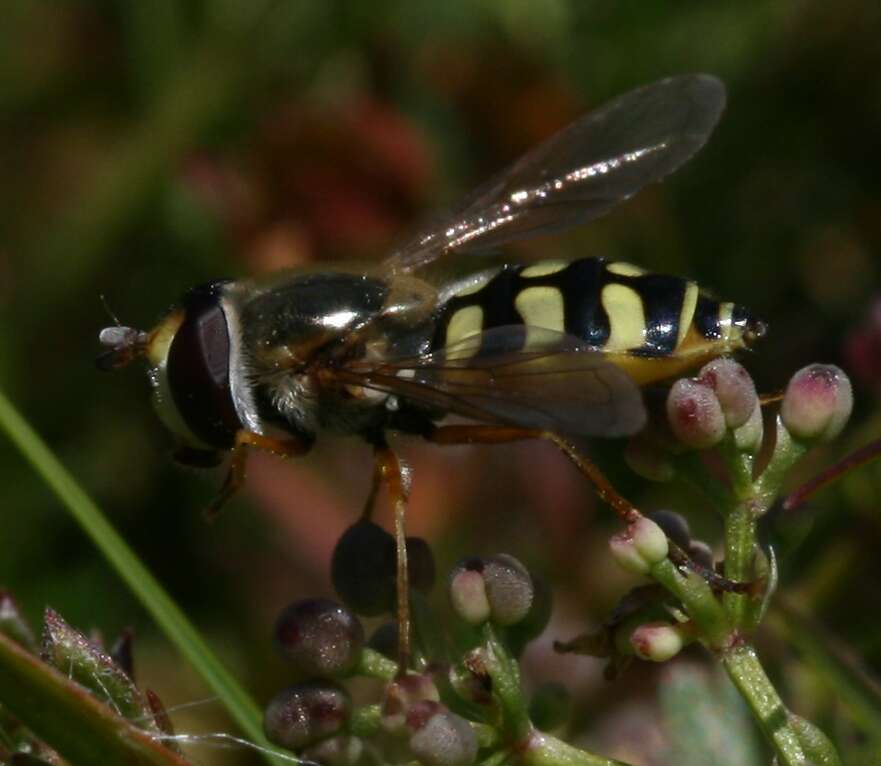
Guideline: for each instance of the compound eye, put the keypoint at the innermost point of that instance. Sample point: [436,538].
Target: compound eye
[198,371]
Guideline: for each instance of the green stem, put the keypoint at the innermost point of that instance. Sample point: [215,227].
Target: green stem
[546,750]
[505,675]
[740,545]
[699,601]
[140,581]
[749,677]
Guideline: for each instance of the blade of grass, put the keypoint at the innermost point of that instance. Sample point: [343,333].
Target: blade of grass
[145,587]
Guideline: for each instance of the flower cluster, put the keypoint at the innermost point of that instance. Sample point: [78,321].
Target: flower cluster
[460,699]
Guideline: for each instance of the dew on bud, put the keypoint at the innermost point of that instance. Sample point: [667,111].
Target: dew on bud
[320,637]
[305,713]
[734,389]
[695,414]
[445,739]
[656,641]
[817,403]
[675,526]
[640,546]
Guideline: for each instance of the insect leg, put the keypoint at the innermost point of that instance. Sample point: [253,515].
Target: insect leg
[486,434]
[394,475]
[235,475]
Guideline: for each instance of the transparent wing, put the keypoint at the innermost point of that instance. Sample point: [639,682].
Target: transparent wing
[581,172]
[553,383]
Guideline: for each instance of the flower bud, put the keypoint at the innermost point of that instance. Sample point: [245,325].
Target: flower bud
[536,620]
[509,589]
[305,713]
[320,637]
[817,403]
[362,569]
[497,588]
[648,460]
[639,547]
[734,388]
[695,414]
[446,739]
[675,526]
[748,437]
[403,701]
[701,553]
[468,595]
[343,750]
[656,641]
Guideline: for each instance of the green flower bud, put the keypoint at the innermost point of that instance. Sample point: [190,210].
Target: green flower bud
[468,595]
[675,526]
[748,437]
[497,588]
[639,547]
[695,414]
[817,403]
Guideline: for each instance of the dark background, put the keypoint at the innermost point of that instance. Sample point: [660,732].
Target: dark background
[145,147]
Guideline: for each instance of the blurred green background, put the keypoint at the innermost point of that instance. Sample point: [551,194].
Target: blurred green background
[149,146]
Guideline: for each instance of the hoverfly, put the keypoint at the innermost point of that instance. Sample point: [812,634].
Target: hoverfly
[549,349]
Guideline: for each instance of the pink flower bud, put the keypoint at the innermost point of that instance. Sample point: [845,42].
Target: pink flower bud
[639,547]
[817,403]
[695,414]
[734,388]
[657,641]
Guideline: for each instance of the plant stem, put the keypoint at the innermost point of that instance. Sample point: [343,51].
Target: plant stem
[179,630]
[699,601]
[740,543]
[546,750]
[749,677]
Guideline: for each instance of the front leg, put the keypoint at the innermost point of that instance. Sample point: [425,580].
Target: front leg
[235,475]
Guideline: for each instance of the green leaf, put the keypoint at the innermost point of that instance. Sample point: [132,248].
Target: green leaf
[81,729]
[145,587]
[72,653]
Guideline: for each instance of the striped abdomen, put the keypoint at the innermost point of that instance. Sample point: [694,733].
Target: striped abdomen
[653,325]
